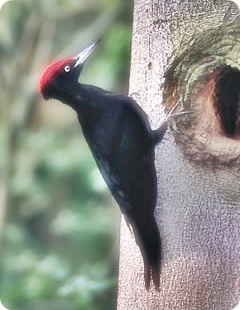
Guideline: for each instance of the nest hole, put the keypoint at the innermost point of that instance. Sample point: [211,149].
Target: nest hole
[227,101]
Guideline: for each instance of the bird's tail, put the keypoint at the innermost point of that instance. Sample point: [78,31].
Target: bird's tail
[148,238]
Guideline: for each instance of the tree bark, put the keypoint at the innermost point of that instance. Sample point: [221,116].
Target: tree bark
[178,50]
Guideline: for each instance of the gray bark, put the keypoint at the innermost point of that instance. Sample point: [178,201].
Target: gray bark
[198,209]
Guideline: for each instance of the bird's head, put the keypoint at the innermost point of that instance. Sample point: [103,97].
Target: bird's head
[63,74]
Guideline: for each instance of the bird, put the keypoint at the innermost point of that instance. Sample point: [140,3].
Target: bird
[122,142]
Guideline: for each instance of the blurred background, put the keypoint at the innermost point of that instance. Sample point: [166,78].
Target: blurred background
[59,225]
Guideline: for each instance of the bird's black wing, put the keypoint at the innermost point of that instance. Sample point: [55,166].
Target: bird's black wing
[120,138]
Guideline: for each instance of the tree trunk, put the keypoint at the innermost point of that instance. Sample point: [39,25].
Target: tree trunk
[188,51]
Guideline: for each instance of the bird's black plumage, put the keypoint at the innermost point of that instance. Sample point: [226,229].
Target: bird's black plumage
[118,133]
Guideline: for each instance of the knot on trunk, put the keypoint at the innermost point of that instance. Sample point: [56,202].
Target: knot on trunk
[205,78]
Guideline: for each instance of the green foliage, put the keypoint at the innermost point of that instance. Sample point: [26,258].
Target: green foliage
[59,245]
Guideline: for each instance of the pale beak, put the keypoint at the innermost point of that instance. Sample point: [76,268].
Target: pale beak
[85,53]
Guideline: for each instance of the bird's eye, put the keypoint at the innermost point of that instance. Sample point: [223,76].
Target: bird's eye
[67,68]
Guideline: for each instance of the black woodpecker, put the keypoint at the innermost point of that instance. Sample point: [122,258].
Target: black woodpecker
[122,142]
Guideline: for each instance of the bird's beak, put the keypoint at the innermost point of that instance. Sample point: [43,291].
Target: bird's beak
[85,53]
